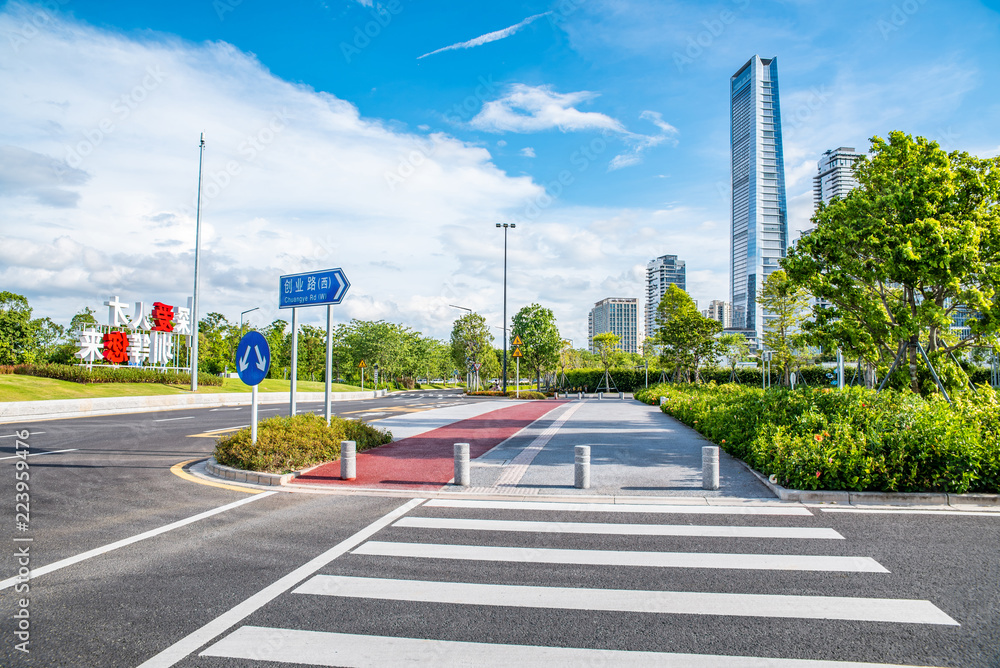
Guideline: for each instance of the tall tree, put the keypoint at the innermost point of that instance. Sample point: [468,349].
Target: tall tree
[17,330]
[536,326]
[686,336]
[733,348]
[471,341]
[606,349]
[784,304]
[916,242]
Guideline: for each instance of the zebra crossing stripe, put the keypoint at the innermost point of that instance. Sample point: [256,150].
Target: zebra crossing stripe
[539,555]
[711,531]
[319,648]
[900,611]
[618,507]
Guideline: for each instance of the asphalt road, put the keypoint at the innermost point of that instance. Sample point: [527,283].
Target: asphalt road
[221,591]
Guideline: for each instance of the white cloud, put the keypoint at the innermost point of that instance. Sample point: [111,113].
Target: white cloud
[526,109]
[528,152]
[488,37]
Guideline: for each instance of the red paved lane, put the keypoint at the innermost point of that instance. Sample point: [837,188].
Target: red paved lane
[428,461]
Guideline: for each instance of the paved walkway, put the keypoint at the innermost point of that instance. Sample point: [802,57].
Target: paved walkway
[527,448]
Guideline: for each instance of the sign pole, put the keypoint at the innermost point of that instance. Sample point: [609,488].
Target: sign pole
[362,379]
[329,359]
[253,414]
[295,359]
[197,253]
[518,391]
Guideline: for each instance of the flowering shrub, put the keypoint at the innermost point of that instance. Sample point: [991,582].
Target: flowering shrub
[854,439]
[287,444]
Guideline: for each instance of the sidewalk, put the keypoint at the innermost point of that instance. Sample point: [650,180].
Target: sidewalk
[527,448]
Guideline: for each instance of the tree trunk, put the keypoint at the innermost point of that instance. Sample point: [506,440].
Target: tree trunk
[914,383]
[869,375]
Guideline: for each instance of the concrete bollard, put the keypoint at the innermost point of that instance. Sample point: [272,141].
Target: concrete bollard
[462,474]
[582,466]
[348,464]
[663,400]
[580,396]
[600,395]
[621,395]
[710,467]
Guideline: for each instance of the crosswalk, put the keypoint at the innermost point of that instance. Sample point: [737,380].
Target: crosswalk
[483,573]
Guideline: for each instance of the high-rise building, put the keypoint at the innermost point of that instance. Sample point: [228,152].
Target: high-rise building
[618,315]
[835,177]
[719,310]
[759,231]
[660,273]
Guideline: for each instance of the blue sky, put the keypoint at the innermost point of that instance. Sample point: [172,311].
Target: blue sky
[396,166]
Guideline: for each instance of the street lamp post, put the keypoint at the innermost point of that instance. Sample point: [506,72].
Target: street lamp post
[243,313]
[197,253]
[505,226]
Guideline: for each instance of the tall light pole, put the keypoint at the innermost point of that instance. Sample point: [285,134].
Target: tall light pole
[197,254]
[255,308]
[505,226]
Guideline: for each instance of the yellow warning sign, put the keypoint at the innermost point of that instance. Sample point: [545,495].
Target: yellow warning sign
[518,353]
[517,341]
[362,365]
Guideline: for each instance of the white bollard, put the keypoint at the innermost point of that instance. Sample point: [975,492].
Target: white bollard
[348,465]
[600,395]
[621,395]
[462,474]
[663,400]
[710,467]
[582,466]
[580,396]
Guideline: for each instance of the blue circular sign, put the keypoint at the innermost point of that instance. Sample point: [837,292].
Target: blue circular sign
[253,358]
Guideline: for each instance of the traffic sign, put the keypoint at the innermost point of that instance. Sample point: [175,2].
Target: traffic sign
[253,358]
[477,366]
[312,288]
[517,341]
[362,365]
[517,353]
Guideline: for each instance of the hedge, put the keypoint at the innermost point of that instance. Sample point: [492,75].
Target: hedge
[854,439]
[107,374]
[513,394]
[286,444]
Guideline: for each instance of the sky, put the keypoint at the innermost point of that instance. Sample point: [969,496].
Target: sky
[388,139]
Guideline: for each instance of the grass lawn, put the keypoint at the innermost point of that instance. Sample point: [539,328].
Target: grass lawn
[31,388]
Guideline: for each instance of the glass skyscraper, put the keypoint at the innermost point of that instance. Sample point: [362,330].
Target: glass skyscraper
[660,274]
[759,231]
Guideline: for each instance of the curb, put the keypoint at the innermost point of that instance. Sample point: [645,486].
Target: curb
[29,411]
[874,498]
[252,477]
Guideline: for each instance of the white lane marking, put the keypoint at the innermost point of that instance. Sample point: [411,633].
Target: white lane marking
[545,555]
[186,417]
[30,434]
[190,643]
[213,410]
[618,529]
[319,648]
[909,511]
[39,454]
[83,556]
[512,474]
[618,507]
[900,611]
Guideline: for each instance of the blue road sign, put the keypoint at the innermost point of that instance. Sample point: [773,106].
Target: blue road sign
[312,288]
[253,358]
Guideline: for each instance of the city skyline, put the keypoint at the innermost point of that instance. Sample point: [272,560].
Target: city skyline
[389,154]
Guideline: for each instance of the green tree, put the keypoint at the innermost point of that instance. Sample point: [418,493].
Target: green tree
[17,330]
[686,336]
[471,341]
[606,349]
[784,304]
[734,348]
[536,326]
[915,242]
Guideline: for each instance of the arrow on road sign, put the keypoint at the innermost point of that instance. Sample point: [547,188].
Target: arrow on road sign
[244,362]
[261,364]
[517,341]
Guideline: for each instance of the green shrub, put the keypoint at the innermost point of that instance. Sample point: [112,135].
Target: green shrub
[526,394]
[107,374]
[287,444]
[854,439]
[485,393]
